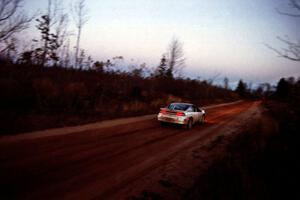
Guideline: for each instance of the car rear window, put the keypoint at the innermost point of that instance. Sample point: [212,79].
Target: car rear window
[177,106]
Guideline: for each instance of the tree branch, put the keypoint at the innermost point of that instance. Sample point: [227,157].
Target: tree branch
[294,4]
[285,54]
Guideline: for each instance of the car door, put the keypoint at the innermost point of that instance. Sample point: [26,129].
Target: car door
[190,112]
[195,114]
[199,113]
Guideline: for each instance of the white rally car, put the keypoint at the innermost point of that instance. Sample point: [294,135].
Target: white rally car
[181,113]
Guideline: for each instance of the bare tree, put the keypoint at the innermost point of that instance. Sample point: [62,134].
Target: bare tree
[213,78]
[175,58]
[65,55]
[226,83]
[61,30]
[80,15]
[12,20]
[291,50]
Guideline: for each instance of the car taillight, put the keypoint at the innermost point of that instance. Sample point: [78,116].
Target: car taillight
[180,114]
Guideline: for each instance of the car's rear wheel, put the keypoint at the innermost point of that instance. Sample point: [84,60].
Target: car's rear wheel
[189,125]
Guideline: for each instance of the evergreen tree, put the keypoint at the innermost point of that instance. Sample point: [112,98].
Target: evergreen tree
[241,88]
[283,88]
[162,68]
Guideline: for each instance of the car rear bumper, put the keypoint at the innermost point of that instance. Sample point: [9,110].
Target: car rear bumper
[171,119]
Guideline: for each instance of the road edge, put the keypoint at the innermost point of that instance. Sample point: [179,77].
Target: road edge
[91,126]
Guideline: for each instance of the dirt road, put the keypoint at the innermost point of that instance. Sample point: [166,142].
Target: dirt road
[108,160]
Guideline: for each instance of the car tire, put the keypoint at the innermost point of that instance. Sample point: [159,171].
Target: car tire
[189,125]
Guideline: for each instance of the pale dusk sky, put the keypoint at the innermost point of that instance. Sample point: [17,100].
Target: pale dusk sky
[225,37]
